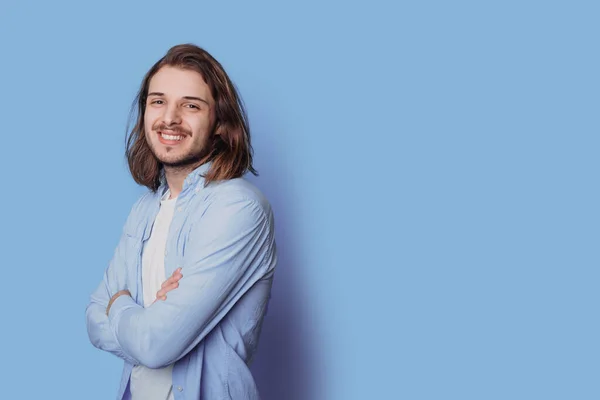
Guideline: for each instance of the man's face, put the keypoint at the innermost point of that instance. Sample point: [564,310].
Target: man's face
[179,116]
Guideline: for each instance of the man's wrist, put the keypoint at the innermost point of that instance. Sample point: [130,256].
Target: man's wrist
[115,296]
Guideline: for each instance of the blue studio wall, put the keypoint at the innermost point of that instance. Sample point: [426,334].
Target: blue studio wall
[433,168]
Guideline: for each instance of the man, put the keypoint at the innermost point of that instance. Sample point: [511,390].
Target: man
[183,299]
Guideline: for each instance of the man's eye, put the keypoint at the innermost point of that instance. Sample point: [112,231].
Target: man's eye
[192,106]
[156,102]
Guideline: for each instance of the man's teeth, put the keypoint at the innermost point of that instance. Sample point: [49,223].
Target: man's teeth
[171,137]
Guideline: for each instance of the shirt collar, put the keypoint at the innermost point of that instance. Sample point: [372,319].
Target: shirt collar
[194,178]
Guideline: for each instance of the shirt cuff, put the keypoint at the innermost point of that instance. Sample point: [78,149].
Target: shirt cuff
[121,304]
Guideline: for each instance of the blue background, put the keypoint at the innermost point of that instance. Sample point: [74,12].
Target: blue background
[433,167]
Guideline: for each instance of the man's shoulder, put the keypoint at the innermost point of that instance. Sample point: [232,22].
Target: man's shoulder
[146,200]
[140,210]
[237,190]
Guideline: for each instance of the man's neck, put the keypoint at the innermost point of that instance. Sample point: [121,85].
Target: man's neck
[175,178]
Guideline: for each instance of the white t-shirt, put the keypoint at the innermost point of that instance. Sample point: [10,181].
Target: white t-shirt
[146,383]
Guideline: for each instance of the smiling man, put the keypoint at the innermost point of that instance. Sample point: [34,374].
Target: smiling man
[183,298]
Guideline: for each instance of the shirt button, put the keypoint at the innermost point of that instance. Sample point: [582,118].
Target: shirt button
[179,208]
[180,388]
[196,190]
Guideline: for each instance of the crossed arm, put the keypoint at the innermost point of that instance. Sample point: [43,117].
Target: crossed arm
[223,260]
[171,283]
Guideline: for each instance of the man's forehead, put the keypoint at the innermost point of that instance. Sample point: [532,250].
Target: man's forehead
[171,80]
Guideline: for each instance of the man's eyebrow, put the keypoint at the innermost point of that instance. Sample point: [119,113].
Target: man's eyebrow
[195,98]
[185,97]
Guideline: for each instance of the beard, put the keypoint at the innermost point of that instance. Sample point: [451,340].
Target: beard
[185,161]
[189,160]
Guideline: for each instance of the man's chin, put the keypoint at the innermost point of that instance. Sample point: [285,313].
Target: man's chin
[189,162]
[172,160]
[185,160]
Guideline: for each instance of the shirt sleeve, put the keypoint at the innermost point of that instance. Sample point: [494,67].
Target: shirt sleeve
[114,280]
[229,251]
[99,332]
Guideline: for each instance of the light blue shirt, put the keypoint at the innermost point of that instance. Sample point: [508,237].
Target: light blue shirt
[222,236]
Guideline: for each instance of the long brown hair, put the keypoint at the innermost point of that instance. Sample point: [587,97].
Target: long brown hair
[230,151]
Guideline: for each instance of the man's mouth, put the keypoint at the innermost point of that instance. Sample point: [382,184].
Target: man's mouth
[170,138]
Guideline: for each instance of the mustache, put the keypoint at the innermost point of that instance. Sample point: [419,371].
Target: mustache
[175,129]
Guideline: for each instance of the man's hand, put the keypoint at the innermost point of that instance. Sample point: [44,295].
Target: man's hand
[116,295]
[168,285]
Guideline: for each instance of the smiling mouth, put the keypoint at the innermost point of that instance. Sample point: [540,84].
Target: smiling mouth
[168,138]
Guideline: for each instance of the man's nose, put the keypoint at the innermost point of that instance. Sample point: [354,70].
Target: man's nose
[171,116]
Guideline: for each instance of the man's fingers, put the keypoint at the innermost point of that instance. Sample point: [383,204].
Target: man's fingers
[169,284]
[173,278]
[168,281]
[161,295]
[167,289]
